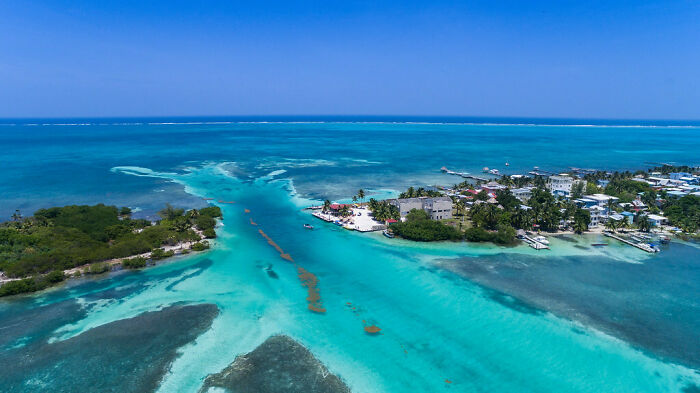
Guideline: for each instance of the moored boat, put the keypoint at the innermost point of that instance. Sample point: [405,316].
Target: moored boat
[308,226]
[541,239]
[388,234]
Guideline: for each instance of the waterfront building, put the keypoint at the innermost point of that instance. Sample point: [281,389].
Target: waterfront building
[438,208]
[405,205]
[597,215]
[656,220]
[629,216]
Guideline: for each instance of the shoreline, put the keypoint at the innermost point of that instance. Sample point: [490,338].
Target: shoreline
[178,249]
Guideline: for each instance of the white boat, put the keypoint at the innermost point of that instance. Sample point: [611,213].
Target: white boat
[541,239]
[494,172]
[387,234]
[537,246]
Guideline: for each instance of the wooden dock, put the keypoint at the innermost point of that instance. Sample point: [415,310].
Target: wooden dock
[531,242]
[464,175]
[640,245]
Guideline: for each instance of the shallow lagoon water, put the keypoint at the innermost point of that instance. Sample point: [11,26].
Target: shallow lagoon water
[435,326]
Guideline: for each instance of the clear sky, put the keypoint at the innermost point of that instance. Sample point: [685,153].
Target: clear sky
[584,59]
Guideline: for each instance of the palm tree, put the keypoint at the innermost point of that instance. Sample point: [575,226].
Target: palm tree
[354,198]
[643,223]
[611,224]
[17,216]
[610,205]
[361,194]
[170,213]
[580,225]
[326,205]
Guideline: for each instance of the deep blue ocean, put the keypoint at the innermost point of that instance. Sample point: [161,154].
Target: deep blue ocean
[486,318]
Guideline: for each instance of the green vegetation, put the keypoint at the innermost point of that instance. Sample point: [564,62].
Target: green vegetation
[32,284]
[97,268]
[419,192]
[418,226]
[684,212]
[61,238]
[581,220]
[504,236]
[383,210]
[134,263]
[666,169]
[159,253]
[626,189]
[200,246]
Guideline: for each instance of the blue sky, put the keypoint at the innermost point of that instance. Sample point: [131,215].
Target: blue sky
[583,59]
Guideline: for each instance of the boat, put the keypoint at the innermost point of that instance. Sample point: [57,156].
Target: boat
[541,239]
[486,169]
[507,164]
[664,239]
[599,244]
[494,172]
[308,226]
[388,234]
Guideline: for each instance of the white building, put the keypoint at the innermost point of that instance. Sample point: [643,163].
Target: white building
[601,199]
[597,215]
[523,194]
[437,208]
[561,184]
[656,220]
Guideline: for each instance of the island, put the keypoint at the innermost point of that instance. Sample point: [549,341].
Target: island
[60,242]
[646,206]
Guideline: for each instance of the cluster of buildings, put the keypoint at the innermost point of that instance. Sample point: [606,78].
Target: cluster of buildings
[676,184]
[599,205]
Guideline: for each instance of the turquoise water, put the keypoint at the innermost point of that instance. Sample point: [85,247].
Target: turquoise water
[437,324]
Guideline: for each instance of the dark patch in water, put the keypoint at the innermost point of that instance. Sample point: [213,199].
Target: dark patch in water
[271,272]
[580,247]
[129,355]
[201,267]
[19,324]
[566,238]
[511,302]
[279,365]
[115,293]
[691,389]
[578,331]
[652,305]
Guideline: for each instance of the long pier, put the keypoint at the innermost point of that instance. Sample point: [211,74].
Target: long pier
[464,175]
[640,245]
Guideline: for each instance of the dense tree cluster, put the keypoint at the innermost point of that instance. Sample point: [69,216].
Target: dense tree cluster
[627,189]
[684,212]
[383,210]
[418,226]
[419,192]
[61,238]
